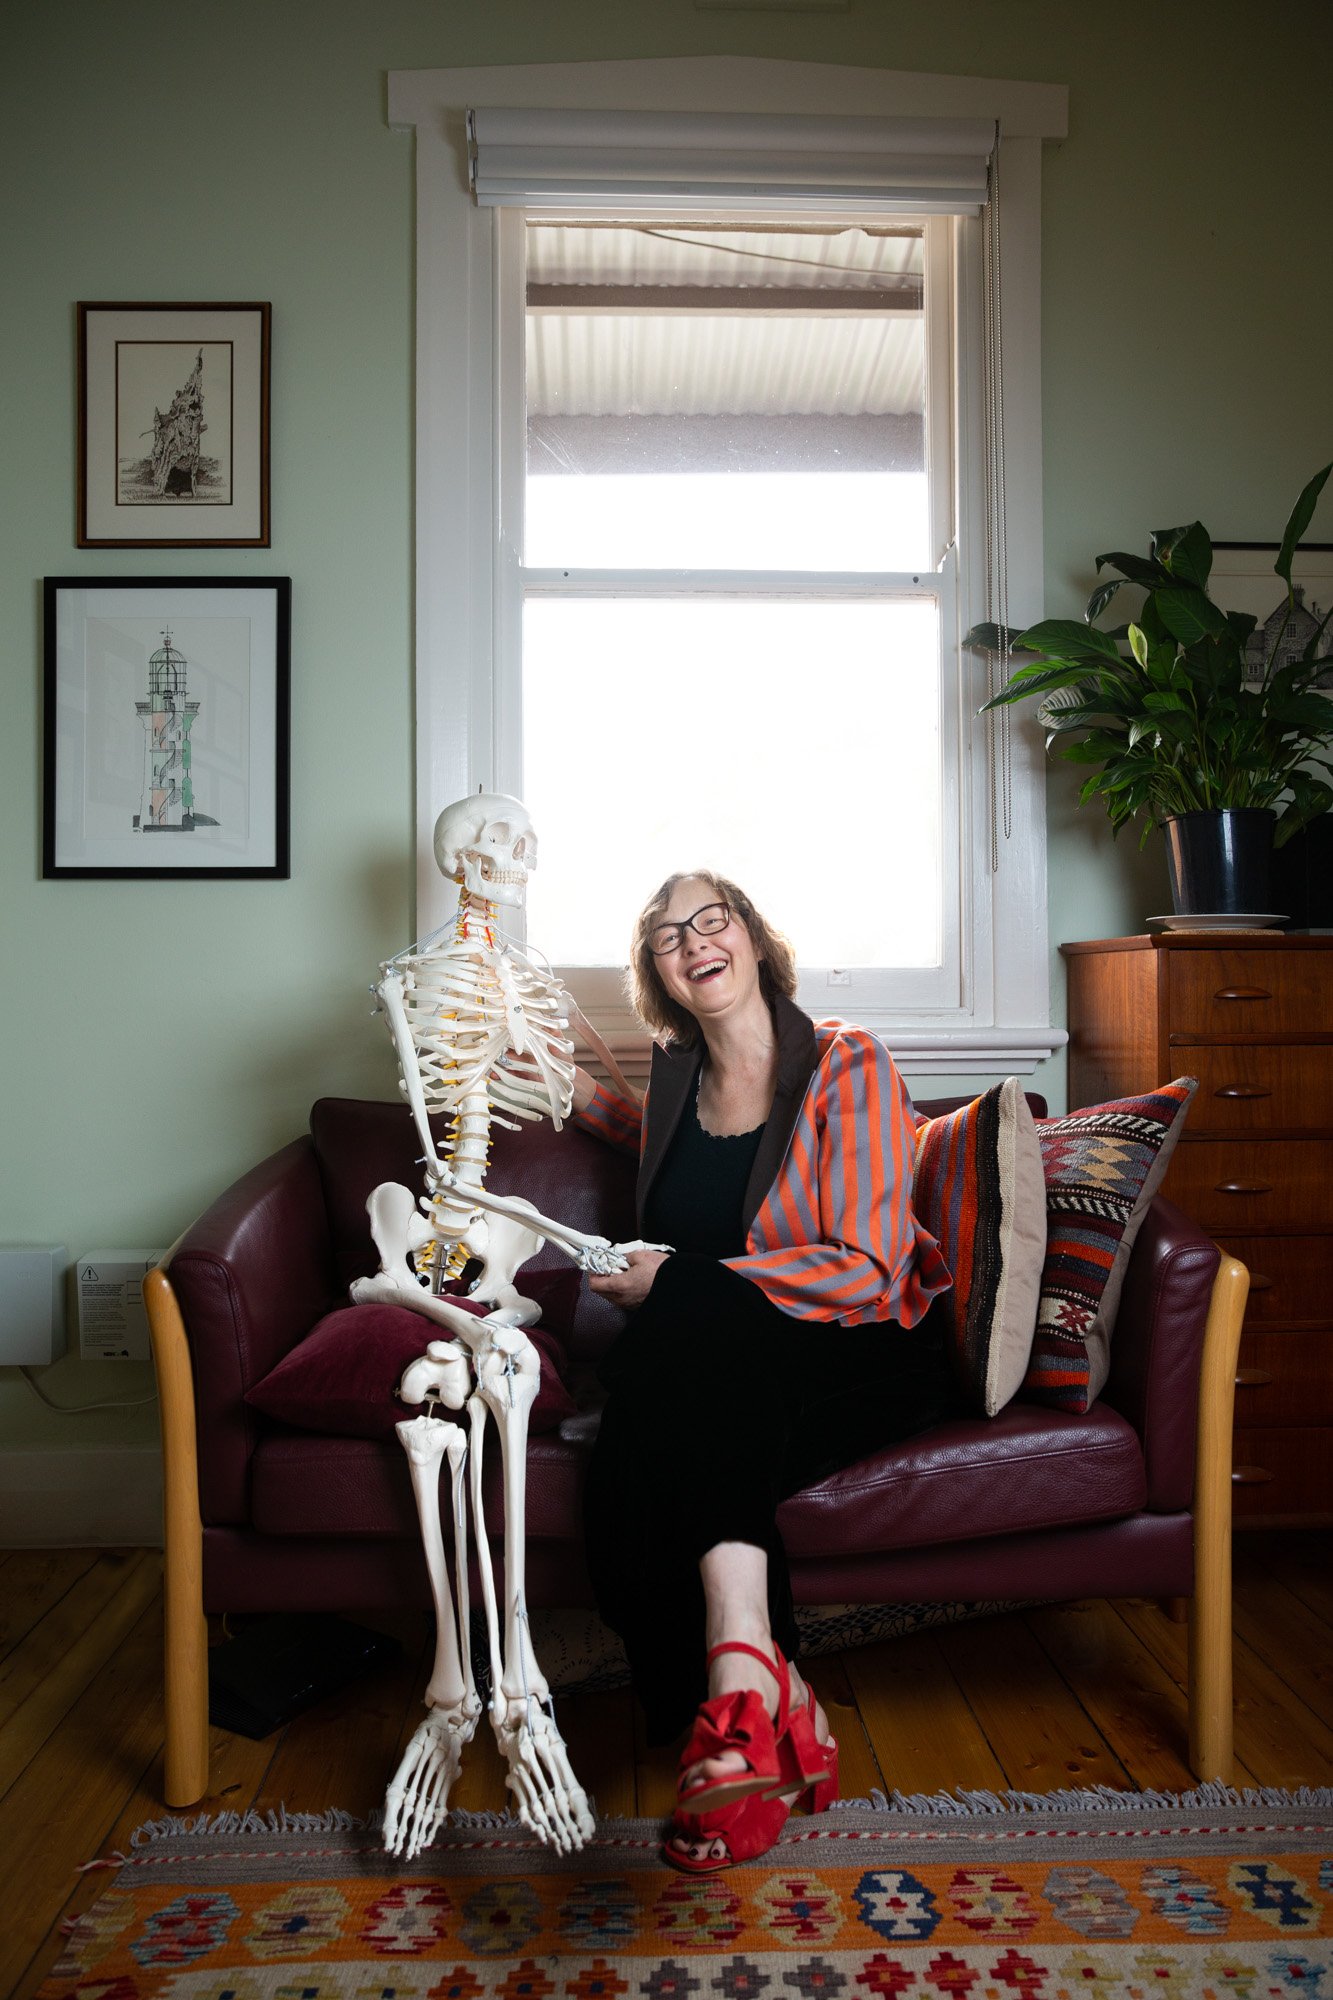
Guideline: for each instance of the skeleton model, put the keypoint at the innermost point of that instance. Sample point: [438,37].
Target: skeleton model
[459,1007]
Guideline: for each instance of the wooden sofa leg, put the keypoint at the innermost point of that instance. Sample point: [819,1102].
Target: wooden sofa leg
[185,1663]
[1210,1697]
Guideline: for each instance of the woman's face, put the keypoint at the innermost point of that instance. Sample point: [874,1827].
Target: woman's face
[708,976]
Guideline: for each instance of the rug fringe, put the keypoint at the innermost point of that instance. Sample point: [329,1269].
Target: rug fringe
[1097,1798]
[941,1805]
[277,1819]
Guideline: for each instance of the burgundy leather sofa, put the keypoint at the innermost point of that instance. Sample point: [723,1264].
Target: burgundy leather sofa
[1131,1499]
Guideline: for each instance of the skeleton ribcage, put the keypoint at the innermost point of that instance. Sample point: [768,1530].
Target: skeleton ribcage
[466,1013]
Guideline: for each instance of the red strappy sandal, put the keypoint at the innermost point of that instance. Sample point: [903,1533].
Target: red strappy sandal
[739,1724]
[747,1828]
[818,1761]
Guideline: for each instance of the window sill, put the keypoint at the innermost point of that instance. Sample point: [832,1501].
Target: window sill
[936,1051]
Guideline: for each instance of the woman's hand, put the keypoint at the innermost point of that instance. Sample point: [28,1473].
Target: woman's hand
[630,1288]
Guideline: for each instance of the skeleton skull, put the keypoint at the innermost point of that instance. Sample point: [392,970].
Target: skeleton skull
[488,846]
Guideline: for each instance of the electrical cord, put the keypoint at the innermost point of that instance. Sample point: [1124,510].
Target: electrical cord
[78,1409]
[771,256]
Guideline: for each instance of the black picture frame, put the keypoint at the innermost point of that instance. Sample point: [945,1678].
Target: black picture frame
[1243,579]
[166,728]
[173,437]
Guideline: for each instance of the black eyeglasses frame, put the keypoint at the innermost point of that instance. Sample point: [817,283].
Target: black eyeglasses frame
[688,924]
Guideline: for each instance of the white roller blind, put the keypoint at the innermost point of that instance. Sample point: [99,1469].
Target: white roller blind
[646,161]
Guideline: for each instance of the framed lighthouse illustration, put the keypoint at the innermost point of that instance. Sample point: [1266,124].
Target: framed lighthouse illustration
[166,739]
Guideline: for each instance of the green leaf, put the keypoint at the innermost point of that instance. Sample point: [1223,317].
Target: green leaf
[1035,679]
[1135,569]
[1186,552]
[1069,638]
[1150,622]
[1102,596]
[992,639]
[1310,712]
[1301,516]
[1189,614]
[1242,624]
[1138,644]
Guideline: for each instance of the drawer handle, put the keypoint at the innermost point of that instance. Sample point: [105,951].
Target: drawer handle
[1242,993]
[1252,1378]
[1241,1090]
[1251,1475]
[1259,1283]
[1244,1187]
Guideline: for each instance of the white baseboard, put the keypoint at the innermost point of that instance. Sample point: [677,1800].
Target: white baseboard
[104,1496]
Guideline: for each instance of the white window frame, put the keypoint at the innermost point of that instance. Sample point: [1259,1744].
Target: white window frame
[468,731]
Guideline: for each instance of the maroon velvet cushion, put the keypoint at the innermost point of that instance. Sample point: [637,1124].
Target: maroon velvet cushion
[343,1377]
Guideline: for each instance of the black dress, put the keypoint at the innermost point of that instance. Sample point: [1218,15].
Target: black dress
[720,1405]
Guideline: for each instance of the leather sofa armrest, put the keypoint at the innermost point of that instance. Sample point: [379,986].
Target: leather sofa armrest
[1157,1348]
[252,1276]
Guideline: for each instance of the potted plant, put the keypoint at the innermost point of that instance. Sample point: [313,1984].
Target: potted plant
[1163,711]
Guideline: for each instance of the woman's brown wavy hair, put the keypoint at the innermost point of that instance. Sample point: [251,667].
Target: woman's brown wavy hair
[666,1018]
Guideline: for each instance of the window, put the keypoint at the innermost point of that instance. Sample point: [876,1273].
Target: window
[699,529]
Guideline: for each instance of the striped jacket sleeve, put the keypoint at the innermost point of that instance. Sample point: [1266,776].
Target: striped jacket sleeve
[617,1119]
[836,1238]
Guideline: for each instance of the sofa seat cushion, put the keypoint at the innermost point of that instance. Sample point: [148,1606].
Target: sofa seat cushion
[1025,1468]
[343,1377]
[307,1485]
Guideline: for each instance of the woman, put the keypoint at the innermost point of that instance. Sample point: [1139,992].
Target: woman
[772,1345]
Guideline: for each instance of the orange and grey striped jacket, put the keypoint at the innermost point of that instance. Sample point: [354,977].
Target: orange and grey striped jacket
[830,1232]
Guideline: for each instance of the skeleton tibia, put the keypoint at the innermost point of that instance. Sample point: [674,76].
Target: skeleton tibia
[418,1795]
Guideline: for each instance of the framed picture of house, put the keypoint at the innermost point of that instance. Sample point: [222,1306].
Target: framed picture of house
[165,727]
[1243,579]
[173,426]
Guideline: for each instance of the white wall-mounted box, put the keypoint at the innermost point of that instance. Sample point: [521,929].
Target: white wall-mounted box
[32,1304]
[113,1325]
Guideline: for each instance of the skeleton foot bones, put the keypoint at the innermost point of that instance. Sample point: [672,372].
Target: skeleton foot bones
[459,1009]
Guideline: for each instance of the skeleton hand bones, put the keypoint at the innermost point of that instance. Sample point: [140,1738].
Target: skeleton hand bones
[590,1253]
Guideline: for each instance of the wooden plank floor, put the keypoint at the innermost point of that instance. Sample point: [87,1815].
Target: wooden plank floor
[1075,1694]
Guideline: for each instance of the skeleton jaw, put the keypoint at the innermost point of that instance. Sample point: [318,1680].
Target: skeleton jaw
[484,875]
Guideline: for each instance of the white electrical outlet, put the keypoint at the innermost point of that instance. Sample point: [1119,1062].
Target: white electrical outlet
[113,1325]
[32,1304]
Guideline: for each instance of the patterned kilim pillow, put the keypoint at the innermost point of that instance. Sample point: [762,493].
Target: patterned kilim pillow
[1103,1166]
[978,1189]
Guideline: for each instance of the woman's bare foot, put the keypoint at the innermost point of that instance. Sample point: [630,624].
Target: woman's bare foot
[732,1673]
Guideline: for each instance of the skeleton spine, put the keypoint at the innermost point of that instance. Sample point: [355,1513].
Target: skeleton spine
[468,1145]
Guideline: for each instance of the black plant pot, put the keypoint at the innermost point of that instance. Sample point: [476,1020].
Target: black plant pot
[1221,862]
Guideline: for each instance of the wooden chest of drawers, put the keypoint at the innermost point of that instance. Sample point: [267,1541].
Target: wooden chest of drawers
[1251,1015]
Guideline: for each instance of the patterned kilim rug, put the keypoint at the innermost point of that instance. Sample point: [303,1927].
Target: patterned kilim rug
[1218,1895]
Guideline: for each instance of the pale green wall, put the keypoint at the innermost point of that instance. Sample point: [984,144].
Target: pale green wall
[158,1038]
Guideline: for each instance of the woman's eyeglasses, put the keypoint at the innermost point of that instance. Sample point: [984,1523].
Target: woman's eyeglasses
[713,917]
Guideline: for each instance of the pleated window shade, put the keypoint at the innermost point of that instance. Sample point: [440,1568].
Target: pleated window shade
[652,161]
